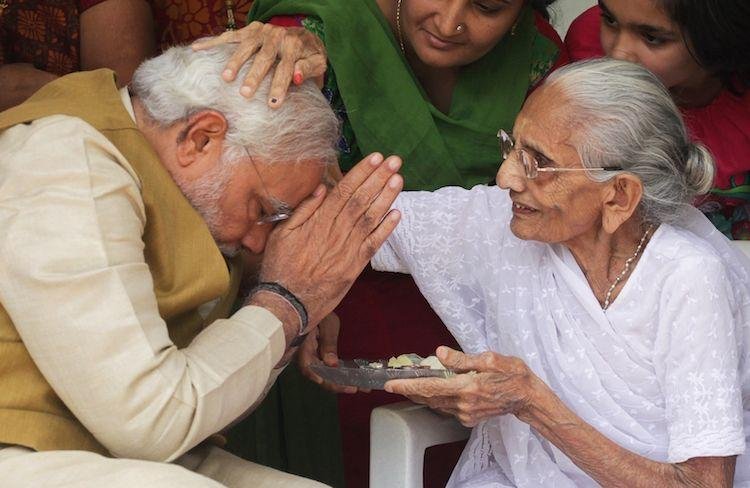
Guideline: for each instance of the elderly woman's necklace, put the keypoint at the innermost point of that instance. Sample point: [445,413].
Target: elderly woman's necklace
[626,269]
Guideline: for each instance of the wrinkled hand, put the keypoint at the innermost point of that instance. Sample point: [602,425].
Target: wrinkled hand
[301,55]
[501,385]
[319,252]
[322,345]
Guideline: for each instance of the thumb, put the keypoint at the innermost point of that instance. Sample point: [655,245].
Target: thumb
[455,360]
[311,67]
[328,337]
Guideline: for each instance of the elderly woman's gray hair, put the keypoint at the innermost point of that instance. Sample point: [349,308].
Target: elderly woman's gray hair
[623,116]
[181,82]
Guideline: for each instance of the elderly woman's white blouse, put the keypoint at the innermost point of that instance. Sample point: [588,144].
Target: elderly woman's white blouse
[661,372]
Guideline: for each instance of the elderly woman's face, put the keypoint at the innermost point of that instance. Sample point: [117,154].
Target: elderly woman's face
[555,206]
[430,28]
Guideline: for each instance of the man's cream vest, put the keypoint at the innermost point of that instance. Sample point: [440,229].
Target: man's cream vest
[187,267]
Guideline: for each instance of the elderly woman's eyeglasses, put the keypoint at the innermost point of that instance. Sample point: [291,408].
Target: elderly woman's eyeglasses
[531,164]
[281,210]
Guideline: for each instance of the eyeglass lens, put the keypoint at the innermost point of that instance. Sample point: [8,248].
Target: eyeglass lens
[527,161]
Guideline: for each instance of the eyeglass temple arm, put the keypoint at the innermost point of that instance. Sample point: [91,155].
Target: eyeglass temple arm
[611,168]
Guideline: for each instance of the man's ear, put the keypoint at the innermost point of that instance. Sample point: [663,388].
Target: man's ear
[622,196]
[202,140]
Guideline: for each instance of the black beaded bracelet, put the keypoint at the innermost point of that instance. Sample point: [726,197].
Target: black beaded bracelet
[287,295]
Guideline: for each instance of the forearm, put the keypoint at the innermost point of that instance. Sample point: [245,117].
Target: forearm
[388,259]
[608,463]
[19,82]
[119,35]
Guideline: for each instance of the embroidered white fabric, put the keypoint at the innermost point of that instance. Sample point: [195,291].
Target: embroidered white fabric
[662,372]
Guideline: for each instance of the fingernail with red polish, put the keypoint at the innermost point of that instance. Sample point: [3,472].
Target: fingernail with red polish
[297,78]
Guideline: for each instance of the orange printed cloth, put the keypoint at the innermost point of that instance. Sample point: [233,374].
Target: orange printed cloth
[44,33]
[183,21]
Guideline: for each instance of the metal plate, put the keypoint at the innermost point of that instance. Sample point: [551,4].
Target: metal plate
[358,373]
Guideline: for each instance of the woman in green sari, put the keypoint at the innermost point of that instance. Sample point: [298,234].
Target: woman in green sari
[429,80]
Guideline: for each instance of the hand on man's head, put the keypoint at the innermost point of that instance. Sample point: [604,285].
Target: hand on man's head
[319,252]
[294,54]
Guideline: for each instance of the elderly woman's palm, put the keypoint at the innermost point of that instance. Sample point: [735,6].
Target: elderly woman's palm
[490,384]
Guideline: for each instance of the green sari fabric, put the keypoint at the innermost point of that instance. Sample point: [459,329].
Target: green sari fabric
[388,110]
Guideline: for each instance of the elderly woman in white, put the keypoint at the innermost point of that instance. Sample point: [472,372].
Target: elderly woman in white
[606,320]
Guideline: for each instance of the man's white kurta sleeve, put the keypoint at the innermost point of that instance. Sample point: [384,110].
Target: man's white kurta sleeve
[75,283]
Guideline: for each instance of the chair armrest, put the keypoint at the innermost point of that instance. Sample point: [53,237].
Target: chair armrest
[399,434]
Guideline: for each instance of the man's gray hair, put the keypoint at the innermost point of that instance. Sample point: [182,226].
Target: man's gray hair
[623,116]
[181,82]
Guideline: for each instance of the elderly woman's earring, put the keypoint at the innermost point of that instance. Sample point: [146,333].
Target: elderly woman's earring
[513,30]
[398,27]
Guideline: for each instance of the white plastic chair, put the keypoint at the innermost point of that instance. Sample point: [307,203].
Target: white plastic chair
[399,434]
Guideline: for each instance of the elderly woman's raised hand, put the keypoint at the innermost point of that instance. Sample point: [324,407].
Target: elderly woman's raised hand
[301,55]
[490,384]
[319,252]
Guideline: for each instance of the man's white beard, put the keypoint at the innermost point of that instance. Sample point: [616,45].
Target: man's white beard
[204,194]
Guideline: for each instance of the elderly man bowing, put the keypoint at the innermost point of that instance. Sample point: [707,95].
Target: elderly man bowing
[115,209]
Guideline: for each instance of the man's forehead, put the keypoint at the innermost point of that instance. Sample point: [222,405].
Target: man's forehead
[291,182]
[282,172]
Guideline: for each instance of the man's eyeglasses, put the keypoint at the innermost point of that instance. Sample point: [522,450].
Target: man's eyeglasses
[281,210]
[530,163]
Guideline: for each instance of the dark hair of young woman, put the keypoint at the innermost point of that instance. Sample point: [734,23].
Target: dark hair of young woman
[718,36]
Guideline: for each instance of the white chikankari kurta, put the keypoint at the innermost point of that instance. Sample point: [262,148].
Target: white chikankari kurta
[661,372]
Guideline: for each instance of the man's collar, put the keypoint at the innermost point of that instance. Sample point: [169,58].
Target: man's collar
[127,102]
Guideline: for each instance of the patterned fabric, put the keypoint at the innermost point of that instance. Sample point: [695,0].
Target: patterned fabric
[723,126]
[661,372]
[44,33]
[183,21]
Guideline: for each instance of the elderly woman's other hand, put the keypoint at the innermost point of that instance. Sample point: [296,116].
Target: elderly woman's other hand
[301,55]
[322,345]
[490,384]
